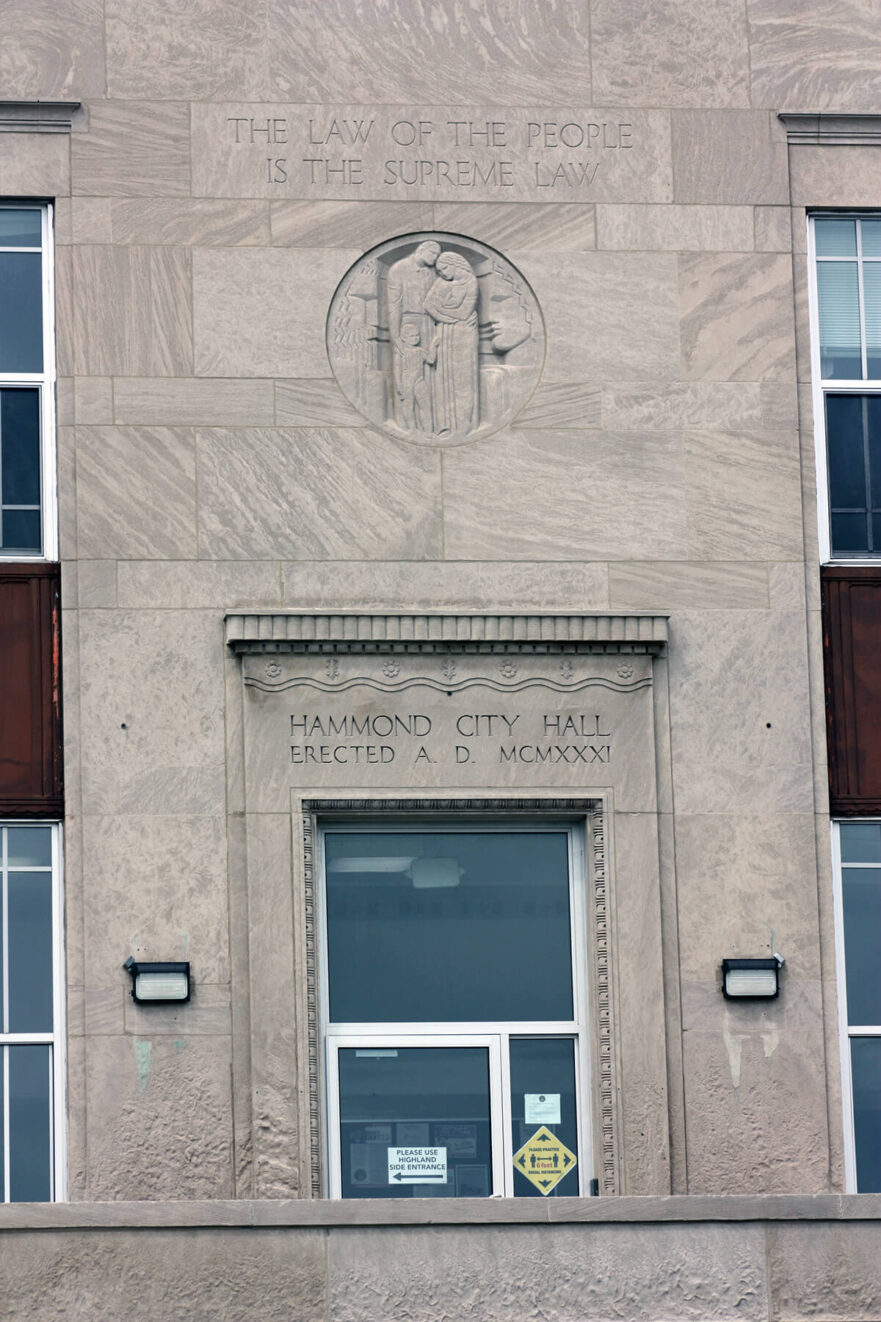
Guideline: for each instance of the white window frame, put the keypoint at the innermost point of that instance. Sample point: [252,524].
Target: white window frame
[45,381]
[820,388]
[493,1035]
[57,1039]
[847,1030]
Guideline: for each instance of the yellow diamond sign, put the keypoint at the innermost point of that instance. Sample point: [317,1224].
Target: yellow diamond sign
[544,1160]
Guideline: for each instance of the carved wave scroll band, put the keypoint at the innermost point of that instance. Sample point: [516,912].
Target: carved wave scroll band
[457,686]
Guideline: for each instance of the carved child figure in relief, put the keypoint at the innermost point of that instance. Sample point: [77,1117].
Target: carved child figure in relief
[413,394]
[406,285]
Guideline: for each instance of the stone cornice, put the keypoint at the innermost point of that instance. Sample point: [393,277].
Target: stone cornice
[832,130]
[395,631]
[37,116]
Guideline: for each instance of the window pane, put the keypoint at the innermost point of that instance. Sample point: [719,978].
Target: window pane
[21,530]
[873,427]
[20,227]
[30,1151]
[839,320]
[29,846]
[860,842]
[435,927]
[871,238]
[866,1074]
[29,900]
[836,238]
[434,1098]
[845,447]
[872,306]
[850,534]
[543,1084]
[20,447]
[21,322]
[861,895]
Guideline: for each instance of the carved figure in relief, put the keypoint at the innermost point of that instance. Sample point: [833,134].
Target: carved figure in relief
[435,338]
[451,303]
[411,388]
[407,283]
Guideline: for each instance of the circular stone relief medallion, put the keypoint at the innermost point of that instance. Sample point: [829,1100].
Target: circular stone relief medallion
[435,338]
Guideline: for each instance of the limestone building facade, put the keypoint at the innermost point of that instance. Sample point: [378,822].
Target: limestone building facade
[440,481]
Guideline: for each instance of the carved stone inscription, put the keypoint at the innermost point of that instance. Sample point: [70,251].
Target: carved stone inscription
[477,153]
[435,337]
[431,153]
[455,721]
[358,739]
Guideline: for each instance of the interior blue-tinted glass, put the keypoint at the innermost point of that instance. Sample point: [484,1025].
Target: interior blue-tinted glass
[873,431]
[21,530]
[850,533]
[838,294]
[860,842]
[871,238]
[20,447]
[20,227]
[29,914]
[21,320]
[836,238]
[30,1148]
[415,1097]
[544,1067]
[430,926]
[865,1055]
[861,894]
[847,460]
[29,846]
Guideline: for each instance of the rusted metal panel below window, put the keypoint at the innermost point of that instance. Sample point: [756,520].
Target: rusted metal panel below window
[30,691]
[852,658]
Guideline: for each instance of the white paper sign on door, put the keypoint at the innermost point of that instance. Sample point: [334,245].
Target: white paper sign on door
[417,1165]
[541,1108]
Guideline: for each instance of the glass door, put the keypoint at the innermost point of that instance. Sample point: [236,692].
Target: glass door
[416,1121]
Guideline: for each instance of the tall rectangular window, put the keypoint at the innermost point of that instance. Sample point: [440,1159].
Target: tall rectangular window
[858,913]
[27,384]
[846,348]
[454,1010]
[31,1015]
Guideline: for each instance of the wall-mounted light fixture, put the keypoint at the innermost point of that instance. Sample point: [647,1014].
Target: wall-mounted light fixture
[154,983]
[756,978]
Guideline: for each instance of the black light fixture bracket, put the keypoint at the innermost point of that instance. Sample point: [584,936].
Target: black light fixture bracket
[753,979]
[159,982]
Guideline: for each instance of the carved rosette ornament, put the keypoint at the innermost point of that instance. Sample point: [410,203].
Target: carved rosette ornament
[435,338]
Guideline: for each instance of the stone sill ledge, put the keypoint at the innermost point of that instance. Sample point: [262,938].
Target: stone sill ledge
[38,116]
[831,130]
[321,1213]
